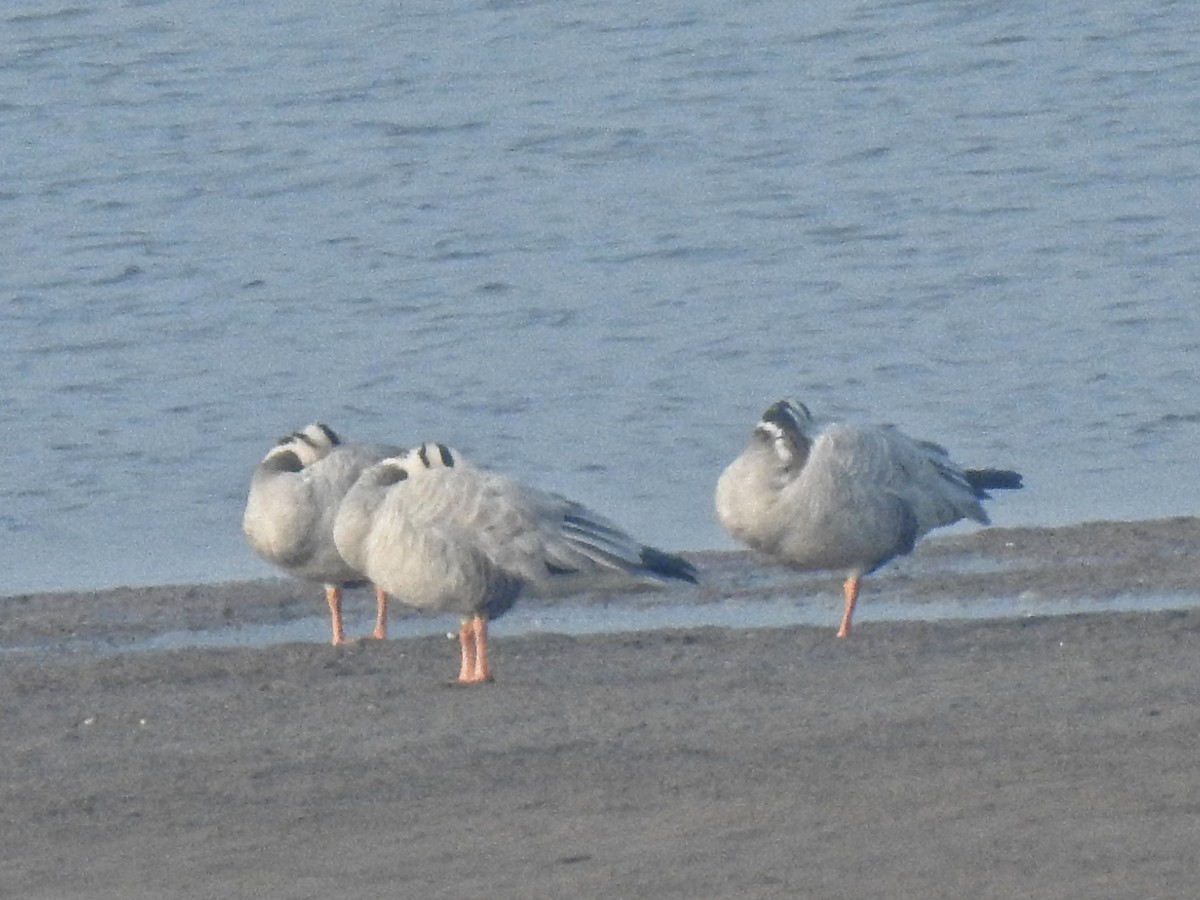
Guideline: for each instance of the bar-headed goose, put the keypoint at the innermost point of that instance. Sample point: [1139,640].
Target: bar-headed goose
[844,497]
[439,534]
[294,497]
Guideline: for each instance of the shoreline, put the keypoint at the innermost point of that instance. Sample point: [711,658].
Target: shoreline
[1016,571]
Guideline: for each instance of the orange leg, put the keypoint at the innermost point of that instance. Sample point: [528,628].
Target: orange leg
[380,631]
[850,592]
[472,635]
[333,596]
[466,642]
[483,671]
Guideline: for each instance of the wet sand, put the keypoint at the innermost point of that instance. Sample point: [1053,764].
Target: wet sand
[1032,756]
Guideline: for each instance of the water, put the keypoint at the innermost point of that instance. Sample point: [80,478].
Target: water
[586,243]
[582,619]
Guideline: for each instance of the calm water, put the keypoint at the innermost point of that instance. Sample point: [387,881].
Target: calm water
[586,243]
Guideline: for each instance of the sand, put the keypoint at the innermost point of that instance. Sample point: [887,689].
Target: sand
[1032,756]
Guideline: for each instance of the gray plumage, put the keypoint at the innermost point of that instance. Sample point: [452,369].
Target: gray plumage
[294,496]
[440,534]
[844,497]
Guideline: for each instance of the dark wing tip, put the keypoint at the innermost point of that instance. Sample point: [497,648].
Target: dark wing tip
[994,479]
[668,565]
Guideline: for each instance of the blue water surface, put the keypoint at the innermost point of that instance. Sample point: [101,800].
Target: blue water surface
[586,243]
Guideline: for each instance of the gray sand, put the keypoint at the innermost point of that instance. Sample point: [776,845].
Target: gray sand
[1034,756]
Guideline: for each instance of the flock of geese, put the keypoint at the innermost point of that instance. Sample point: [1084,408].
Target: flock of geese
[437,533]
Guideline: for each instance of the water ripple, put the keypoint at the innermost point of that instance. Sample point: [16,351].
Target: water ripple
[570,238]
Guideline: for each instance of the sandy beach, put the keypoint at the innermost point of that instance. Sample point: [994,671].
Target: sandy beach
[1030,756]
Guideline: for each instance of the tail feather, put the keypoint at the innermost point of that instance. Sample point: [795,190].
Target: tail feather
[604,542]
[668,565]
[993,480]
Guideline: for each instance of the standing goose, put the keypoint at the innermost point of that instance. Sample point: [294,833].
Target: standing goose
[440,534]
[844,497]
[294,496]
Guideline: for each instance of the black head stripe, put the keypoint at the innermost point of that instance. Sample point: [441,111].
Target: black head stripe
[329,433]
[786,414]
[782,427]
[443,460]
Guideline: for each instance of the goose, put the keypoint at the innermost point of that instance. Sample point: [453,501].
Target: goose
[441,535]
[290,510]
[844,497]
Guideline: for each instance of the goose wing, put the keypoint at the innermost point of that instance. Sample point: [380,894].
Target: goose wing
[536,535]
